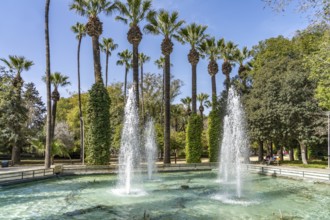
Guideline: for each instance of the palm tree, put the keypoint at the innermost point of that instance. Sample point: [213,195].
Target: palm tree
[211,49]
[57,80]
[187,102]
[125,59]
[80,31]
[241,56]
[167,25]
[142,59]
[107,46]
[134,11]
[18,65]
[194,35]
[228,55]
[91,9]
[202,97]
[48,85]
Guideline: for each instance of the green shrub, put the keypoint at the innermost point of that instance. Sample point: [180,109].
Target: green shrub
[214,126]
[98,122]
[194,139]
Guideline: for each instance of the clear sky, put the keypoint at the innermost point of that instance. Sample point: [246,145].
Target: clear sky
[246,22]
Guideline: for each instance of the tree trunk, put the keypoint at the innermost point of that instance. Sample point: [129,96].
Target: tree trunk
[142,101]
[167,147]
[281,153]
[163,98]
[270,148]
[214,92]
[227,82]
[260,151]
[291,154]
[194,89]
[136,72]
[125,83]
[54,118]
[80,110]
[106,69]
[49,126]
[303,149]
[16,154]
[96,57]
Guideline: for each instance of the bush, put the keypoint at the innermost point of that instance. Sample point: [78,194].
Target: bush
[214,126]
[98,122]
[194,139]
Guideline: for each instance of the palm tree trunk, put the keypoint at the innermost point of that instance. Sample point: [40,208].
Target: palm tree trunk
[54,118]
[227,82]
[136,72]
[80,111]
[125,83]
[167,116]
[142,101]
[49,126]
[163,98]
[194,89]
[214,91]
[106,69]
[96,57]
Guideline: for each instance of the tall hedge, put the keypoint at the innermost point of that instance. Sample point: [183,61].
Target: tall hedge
[214,126]
[98,121]
[194,139]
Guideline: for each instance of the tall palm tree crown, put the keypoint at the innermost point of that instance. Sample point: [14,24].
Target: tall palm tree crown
[133,12]
[202,97]
[18,64]
[211,48]
[241,56]
[228,56]
[167,25]
[194,35]
[125,59]
[107,46]
[58,80]
[91,9]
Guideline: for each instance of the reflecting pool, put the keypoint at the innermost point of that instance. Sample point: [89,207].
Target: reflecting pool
[181,195]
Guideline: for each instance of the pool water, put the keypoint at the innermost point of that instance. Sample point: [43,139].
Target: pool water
[182,195]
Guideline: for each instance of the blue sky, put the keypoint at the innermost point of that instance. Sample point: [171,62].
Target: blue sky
[244,22]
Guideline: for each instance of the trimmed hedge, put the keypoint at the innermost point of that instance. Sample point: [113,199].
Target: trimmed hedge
[214,126]
[194,139]
[98,121]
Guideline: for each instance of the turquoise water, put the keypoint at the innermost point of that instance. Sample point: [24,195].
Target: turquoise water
[94,197]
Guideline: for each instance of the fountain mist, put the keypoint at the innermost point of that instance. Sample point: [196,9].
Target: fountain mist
[129,156]
[150,147]
[234,146]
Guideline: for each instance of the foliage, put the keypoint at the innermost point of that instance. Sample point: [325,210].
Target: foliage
[98,121]
[319,63]
[214,125]
[194,139]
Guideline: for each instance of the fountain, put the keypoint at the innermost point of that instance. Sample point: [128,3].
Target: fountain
[129,155]
[234,146]
[150,148]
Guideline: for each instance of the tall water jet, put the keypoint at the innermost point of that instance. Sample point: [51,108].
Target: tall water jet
[129,155]
[234,145]
[150,148]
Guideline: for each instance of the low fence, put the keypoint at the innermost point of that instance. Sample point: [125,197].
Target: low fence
[25,176]
[7,178]
[68,169]
[287,172]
